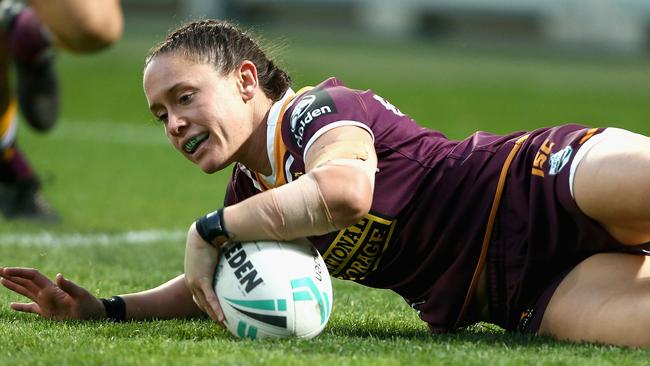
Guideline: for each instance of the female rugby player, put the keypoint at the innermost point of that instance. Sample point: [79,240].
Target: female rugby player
[538,231]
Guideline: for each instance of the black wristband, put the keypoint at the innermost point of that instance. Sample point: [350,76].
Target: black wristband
[115,308]
[211,226]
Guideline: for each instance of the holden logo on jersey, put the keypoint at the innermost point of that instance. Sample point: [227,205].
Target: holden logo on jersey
[300,109]
[306,110]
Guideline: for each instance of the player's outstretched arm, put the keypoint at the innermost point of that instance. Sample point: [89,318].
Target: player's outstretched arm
[64,300]
[170,300]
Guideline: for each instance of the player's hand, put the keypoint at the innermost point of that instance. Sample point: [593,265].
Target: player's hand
[200,263]
[60,301]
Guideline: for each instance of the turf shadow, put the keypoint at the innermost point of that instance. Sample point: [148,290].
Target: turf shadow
[478,334]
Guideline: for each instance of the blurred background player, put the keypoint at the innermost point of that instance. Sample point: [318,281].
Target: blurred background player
[28,33]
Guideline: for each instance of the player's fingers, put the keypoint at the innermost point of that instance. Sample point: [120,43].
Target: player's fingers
[38,278]
[26,308]
[203,304]
[197,300]
[213,303]
[15,287]
[69,287]
[28,277]
[23,282]
[198,304]
[27,273]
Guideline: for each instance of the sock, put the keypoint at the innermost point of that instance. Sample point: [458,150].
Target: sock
[27,38]
[14,167]
[8,124]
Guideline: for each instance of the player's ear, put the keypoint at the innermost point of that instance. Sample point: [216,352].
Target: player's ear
[247,78]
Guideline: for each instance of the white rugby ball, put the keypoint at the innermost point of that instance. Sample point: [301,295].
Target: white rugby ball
[273,289]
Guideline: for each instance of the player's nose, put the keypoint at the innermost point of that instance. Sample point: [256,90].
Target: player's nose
[175,125]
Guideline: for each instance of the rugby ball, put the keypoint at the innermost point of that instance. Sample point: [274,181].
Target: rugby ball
[272,289]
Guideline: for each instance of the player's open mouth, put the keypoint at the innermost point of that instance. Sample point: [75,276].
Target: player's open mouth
[193,143]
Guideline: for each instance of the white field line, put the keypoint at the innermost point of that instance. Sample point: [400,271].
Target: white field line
[100,131]
[46,238]
[105,131]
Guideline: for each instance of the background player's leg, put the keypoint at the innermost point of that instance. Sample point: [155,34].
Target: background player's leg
[20,196]
[19,187]
[81,25]
[612,185]
[29,46]
[606,298]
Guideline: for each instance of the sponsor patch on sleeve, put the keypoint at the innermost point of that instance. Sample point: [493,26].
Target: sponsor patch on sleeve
[308,109]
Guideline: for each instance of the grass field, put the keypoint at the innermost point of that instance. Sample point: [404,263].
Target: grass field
[126,198]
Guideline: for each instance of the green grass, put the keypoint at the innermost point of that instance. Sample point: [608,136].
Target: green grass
[108,170]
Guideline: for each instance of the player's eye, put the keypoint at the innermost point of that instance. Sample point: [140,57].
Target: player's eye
[185,99]
[162,118]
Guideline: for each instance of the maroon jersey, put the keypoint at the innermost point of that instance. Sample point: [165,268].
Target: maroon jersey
[422,237]
[442,210]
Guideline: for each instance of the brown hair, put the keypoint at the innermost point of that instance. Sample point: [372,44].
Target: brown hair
[225,46]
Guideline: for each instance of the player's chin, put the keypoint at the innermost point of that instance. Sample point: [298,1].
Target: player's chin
[209,167]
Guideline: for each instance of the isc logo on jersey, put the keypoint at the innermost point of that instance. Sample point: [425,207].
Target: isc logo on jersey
[306,110]
[273,289]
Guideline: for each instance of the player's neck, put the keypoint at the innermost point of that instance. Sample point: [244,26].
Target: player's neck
[255,156]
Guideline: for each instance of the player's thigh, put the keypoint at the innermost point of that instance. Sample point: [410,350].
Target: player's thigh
[612,185]
[606,298]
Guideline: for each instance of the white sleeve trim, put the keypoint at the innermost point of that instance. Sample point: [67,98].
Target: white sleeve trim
[332,126]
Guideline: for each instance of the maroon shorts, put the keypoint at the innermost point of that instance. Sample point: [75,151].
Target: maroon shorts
[539,233]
